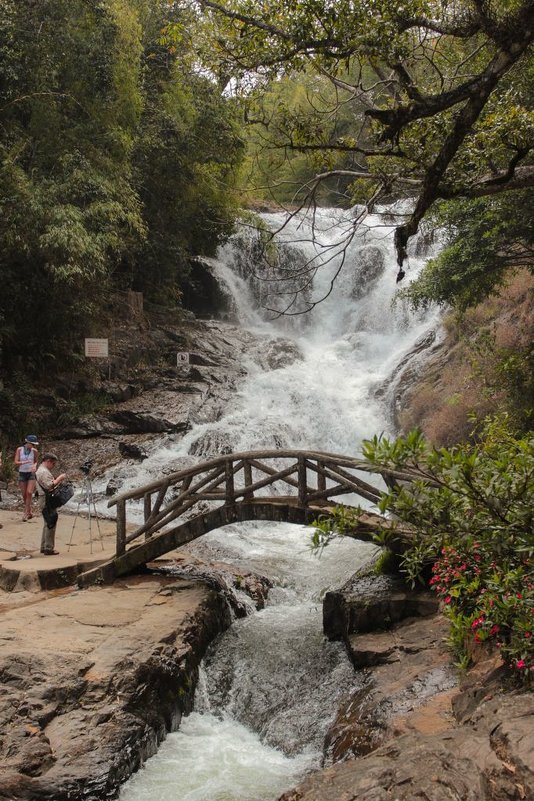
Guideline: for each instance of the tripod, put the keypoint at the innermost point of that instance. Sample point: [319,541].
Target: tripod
[87,498]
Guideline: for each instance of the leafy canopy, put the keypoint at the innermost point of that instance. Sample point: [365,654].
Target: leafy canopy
[116,167]
[444,89]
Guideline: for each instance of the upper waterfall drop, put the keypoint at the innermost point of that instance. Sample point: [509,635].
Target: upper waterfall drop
[317,272]
[343,322]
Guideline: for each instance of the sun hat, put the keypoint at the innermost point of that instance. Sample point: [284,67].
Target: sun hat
[32,439]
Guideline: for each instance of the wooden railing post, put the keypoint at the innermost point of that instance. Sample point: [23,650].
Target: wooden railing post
[121,527]
[302,481]
[229,481]
[247,473]
[147,508]
[321,478]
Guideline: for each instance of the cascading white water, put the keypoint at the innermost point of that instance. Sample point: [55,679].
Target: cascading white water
[271,684]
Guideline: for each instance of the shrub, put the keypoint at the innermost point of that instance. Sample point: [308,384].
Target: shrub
[471,508]
[488,601]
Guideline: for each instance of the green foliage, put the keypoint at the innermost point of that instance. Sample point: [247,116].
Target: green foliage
[116,165]
[297,128]
[387,562]
[472,511]
[488,597]
[506,376]
[327,527]
[85,403]
[419,98]
[483,239]
[184,159]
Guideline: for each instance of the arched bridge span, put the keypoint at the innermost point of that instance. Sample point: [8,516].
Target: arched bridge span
[293,485]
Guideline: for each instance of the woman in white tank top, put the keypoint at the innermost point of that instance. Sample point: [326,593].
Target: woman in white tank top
[26,463]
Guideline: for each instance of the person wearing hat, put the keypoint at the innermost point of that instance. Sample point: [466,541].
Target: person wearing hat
[26,463]
[45,483]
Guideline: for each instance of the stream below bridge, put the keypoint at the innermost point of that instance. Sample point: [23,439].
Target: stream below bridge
[271,684]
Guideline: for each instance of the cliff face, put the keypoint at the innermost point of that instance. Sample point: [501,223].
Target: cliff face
[483,364]
[110,412]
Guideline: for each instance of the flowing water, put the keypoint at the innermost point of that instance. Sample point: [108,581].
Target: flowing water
[270,685]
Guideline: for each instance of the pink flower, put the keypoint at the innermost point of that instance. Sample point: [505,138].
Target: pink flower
[520,664]
[447,600]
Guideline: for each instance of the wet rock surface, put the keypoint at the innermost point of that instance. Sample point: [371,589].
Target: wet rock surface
[488,758]
[143,400]
[369,602]
[93,680]
[419,729]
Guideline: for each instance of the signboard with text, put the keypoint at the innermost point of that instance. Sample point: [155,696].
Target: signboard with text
[182,357]
[96,348]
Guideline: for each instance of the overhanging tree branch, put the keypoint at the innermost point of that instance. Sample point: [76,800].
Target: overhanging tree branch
[437,118]
[462,125]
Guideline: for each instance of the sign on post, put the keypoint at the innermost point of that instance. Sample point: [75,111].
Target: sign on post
[96,348]
[182,357]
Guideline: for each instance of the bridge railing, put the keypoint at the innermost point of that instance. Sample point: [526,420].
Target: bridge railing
[309,478]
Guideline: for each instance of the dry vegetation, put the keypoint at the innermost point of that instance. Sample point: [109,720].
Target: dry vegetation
[485,365]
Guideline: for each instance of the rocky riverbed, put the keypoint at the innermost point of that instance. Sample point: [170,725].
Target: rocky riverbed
[92,680]
[420,728]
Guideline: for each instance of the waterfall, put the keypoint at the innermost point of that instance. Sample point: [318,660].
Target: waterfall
[270,685]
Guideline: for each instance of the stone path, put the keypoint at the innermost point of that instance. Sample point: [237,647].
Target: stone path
[23,568]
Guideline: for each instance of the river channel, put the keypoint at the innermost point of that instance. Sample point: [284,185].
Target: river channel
[270,685]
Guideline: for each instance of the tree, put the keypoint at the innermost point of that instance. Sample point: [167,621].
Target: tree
[116,161]
[484,239]
[185,156]
[445,114]
[70,103]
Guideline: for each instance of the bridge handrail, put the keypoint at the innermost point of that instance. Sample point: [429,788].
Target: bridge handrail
[316,476]
[202,467]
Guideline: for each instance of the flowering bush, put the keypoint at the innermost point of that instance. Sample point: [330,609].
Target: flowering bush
[488,601]
[472,511]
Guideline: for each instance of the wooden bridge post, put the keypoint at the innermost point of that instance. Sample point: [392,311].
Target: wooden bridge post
[229,480]
[302,480]
[321,478]
[247,472]
[121,527]
[147,508]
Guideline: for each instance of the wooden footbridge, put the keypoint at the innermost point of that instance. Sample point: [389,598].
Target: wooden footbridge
[293,486]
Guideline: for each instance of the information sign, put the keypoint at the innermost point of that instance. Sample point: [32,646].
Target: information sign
[96,348]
